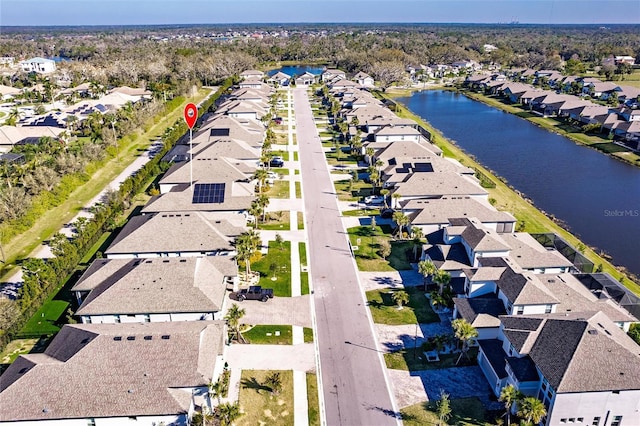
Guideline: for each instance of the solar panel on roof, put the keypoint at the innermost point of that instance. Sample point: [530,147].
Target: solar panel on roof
[423,167]
[219,132]
[207,193]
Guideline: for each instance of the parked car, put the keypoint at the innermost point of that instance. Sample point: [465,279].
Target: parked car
[255,292]
[276,162]
[374,199]
[277,120]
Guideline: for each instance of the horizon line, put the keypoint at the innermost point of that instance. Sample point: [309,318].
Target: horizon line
[514,23]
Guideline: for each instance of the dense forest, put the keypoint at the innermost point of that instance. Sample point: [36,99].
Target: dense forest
[179,55]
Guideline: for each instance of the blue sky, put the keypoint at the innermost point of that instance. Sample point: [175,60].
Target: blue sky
[126,12]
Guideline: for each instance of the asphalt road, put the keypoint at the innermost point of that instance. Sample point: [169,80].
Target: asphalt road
[354,383]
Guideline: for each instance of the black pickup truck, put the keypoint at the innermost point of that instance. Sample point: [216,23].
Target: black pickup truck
[255,292]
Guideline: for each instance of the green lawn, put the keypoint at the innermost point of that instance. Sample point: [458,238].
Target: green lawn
[313,412]
[45,319]
[464,412]
[298,189]
[14,349]
[276,221]
[259,405]
[304,276]
[269,335]
[413,360]
[385,311]
[352,191]
[361,212]
[300,220]
[281,257]
[295,155]
[280,189]
[308,335]
[368,242]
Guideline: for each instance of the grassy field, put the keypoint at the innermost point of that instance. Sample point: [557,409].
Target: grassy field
[280,256]
[300,220]
[269,335]
[308,334]
[368,244]
[464,412]
[45,319]
[22,245]
[280,189]
[352,191]
[385,311]
[508,200]
[313,414]
[298,186]
[411,359]
[259,405]
[16,348]
[276,221]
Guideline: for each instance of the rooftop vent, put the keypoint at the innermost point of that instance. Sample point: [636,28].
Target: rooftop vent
[593,332]
[165,337]
[117,338]
[131,337]
[148,337]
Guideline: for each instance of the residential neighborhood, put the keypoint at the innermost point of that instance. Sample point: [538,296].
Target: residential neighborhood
[393,280]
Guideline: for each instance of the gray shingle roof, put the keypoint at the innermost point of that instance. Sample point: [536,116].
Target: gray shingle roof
[86,372]
[440,210]
[480,311]
[180,232]
[161,285]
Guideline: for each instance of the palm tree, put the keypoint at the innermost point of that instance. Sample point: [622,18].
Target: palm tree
[417,234]
[442,278]
[263,202]
[401,220]
[443,407]
[228,413]
[509,395]
[216,389]
[396,199]
[401,298]
[370,152]
[247,244]
[233,317]
[532,410]
[384,192]
[274,381]
[464,332]
[343,126]
[427,268]
[261,176]
[437,300]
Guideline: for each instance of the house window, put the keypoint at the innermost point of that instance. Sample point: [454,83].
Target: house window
[91,422]
[563,420]
[147,318]
[580,419]
[520,310]
[572,420]
[596,421]
[117,319]
[617,421]
[547,309]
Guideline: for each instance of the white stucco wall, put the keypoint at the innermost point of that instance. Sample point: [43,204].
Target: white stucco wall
[177,420]
[140,318]
[588,405]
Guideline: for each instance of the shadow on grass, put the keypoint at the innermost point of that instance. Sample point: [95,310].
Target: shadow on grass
[252,383]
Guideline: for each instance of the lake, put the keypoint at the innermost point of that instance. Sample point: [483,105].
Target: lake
[596,196]
[299,70]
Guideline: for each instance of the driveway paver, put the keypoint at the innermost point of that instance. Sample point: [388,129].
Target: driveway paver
[279,310]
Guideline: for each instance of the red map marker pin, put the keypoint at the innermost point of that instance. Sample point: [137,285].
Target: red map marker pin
[190,115]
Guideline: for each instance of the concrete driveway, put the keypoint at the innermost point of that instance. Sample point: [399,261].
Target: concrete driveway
[279,310]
